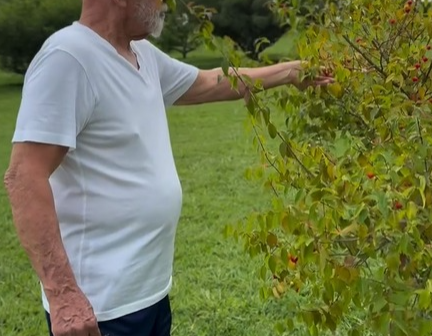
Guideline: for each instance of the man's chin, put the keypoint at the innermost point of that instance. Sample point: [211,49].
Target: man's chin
[157,33]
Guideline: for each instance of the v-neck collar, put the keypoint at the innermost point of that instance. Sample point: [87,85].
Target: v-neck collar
[108,45]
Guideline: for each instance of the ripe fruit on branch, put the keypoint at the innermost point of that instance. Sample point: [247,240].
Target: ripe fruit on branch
[398,205]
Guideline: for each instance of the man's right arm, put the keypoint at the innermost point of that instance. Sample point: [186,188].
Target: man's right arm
[34,214]
[57,102]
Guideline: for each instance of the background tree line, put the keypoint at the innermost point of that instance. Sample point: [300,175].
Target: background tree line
[26,24]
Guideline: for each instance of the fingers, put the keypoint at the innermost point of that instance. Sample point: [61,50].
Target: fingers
[93,329]
[95,332]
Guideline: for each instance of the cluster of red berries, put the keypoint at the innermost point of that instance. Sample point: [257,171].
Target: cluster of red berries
[407,9]
[424,59]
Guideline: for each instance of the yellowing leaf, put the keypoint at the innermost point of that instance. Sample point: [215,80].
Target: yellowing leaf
[349,229]
[411,210]
[390,77]
[336,90]
[272,240]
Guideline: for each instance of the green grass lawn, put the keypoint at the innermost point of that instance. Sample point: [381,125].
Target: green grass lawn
[215,287]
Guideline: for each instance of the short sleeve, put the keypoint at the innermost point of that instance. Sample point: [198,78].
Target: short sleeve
[176,77]
[57,100]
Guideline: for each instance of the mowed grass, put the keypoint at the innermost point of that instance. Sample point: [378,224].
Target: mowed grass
[215,284]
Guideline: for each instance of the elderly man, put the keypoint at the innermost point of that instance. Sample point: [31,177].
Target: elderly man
[92,181]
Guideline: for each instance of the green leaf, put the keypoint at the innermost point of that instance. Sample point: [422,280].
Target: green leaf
[272,130]
[400,298]
[290,324]
[404,243]
[280,328]
[226,66]
[308,317]
[300,195]
[341,146]
[379,303]
[263,273]
[422,188]
[393,261]
[382,204]
[283,149]
[343,273]
[284,256]
[354,332]
[401,327]
[425,327]
[251,107]
[424,301]
[323,260]
[172,5]
[330,322]
[272,263]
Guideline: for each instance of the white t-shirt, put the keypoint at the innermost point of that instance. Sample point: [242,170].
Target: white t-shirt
[117,193]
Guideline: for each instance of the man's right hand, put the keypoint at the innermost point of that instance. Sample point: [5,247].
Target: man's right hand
[72,315]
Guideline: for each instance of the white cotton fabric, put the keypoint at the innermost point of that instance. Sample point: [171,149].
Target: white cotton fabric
[117,193]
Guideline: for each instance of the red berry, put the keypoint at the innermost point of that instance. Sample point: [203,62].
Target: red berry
[294,259]
[417,66]
[409,3]
[398,205]
[407,9]
[415,79]
[370,175]
[428,47]
[430,101]
[425,59]
[392,21]
[358,40]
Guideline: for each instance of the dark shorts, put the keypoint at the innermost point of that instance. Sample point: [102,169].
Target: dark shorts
[151,321]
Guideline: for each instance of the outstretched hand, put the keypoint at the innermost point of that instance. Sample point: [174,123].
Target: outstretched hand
[295,69]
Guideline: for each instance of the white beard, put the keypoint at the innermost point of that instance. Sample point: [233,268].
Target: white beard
[157,31]
[153,19]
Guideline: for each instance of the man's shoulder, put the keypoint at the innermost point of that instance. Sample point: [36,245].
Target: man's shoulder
[74,42]
[73,39]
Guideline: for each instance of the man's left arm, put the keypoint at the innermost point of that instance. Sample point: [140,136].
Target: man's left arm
[184,84]
[214,86]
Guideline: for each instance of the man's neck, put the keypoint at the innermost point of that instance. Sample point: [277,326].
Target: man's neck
[109,29]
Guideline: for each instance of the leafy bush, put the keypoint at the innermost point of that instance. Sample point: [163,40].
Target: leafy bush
[349,232]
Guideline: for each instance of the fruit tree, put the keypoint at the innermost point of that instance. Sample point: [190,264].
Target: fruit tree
[349,230]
